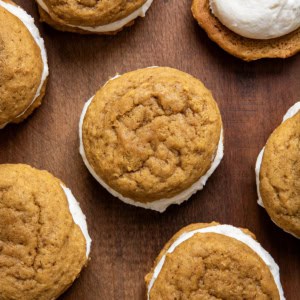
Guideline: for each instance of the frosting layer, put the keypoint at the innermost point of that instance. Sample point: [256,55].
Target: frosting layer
[78,217]
[257,19]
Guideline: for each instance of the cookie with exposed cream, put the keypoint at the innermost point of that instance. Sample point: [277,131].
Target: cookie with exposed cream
[253,29]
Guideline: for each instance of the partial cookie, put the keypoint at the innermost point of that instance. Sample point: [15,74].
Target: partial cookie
[152,137]
[213,261]
[23,68]
[278,173]
[44,242]
[242,46]
[90,16]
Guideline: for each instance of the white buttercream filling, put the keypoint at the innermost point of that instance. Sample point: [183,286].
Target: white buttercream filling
[257,171]
[290,113]
[78,217]
[114,26]
[162,204]
[28,21]
[229,231]
[258,19]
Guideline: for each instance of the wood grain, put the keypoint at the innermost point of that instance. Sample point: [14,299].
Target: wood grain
[252,97]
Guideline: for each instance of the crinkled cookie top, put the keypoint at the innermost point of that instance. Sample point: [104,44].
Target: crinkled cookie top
[21,67]
[212,266]
[91,12]
[280,175]
[152,133]
[42,250]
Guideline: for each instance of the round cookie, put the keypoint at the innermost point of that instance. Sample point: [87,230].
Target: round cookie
[213,261]
[278,174]
[91,16]
[245,48]
[44,242]
[23,68]
[152,137]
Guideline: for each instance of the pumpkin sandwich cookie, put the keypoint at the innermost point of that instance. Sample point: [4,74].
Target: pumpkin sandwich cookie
[23,64]
[278,173]
[251,29]
[213,261]
[44,241]
[152,137]
[91,16]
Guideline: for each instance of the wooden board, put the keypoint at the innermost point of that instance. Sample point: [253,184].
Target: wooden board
[252,97]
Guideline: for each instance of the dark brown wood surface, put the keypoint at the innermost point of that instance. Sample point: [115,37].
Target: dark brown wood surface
[252,97]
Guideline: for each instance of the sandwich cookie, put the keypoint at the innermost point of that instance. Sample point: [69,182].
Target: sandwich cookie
[91,16]
[152,137]
[278,173]
[253,29]
[23,64]
[213,261]
[44,241]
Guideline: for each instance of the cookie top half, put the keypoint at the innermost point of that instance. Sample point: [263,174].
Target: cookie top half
[213,261]
[21,64]
[151,133]
[280,175]
[90,12]
[42,250]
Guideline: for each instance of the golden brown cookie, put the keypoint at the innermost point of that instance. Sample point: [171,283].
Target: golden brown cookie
[213,261]
[279,175]
[239,46]
[90,16]
[152,134]
[23,64]
[42,250]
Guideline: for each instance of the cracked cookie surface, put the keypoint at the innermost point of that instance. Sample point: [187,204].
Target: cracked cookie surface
[42,250]
[21,67]
[280,175]
[151,133]
[211,266]
[90,12]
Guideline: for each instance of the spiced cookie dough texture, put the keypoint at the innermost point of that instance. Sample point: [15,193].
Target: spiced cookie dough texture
[152,137]
[278,173]
[92,16]
[44,242]
[253,29]
[213,261]
[23,64]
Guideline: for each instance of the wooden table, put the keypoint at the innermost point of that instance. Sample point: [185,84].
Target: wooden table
[252,97]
